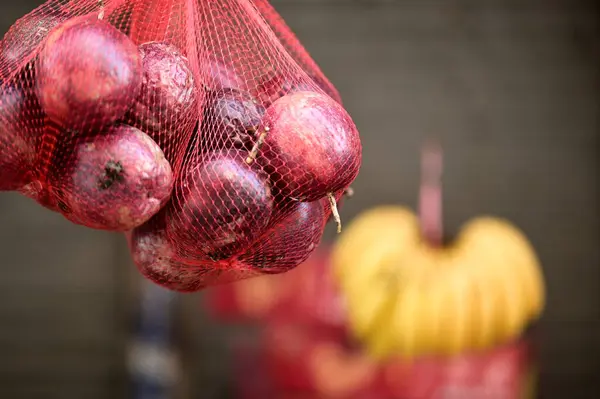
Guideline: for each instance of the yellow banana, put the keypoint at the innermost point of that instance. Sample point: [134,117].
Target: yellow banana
[405,298]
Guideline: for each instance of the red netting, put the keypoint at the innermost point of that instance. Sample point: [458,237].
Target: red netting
[201,128]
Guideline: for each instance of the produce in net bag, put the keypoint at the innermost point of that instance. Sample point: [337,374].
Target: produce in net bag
[70,78]
[201,128]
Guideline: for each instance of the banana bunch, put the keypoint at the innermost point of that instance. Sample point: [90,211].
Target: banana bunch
[406,297]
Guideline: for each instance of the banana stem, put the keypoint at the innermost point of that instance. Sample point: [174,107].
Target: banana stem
[256,148]
[334,212]
[430,197]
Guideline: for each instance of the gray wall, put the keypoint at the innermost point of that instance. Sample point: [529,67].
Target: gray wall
[511,88]
[513,93]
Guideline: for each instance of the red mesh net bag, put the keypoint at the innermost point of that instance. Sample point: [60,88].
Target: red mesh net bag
[200,128]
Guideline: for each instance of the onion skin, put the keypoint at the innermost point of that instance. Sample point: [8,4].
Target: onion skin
[218,76]
[157,259]
[88,74]
[223,206]
[24,37]
[290,242]
[154,257]
[17,141]
[168,100]
[231,119]
[311,146]
[116,180]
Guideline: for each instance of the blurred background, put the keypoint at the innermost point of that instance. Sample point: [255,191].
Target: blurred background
[512,90]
